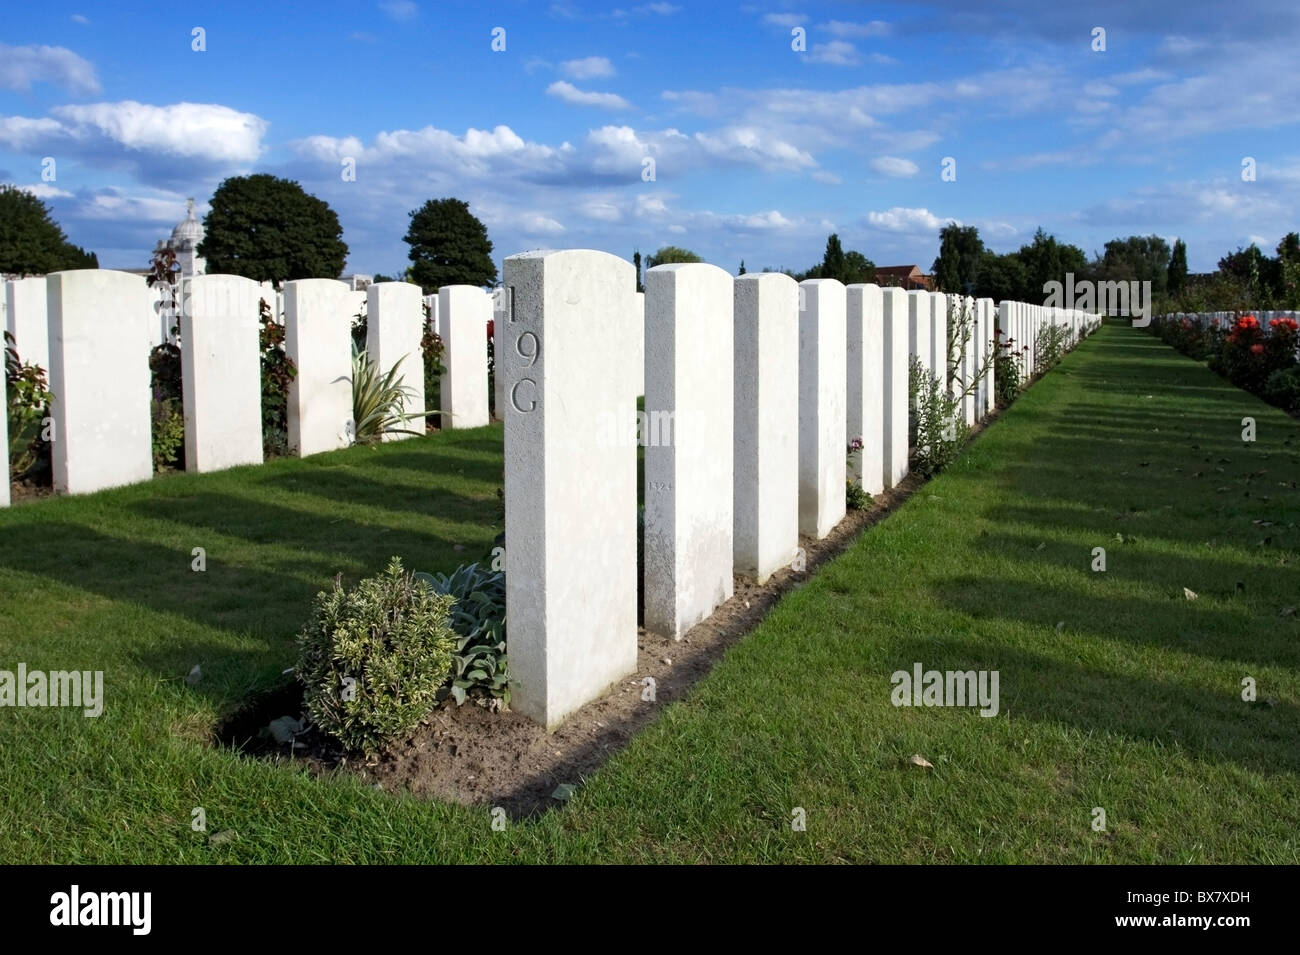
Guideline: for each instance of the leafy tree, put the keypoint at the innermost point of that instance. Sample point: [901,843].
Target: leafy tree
[858,269]
[1288,250]
[1136,258]
[671,254]
[742,267]
[1001,277]
[636,262]
[1047,260]
[449,246]
[1177,275]
[961,250]
[31,242]
[271,230]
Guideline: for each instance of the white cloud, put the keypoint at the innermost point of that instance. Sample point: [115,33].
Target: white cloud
[399,10]
[602,209]
[21,66]
[571,94]
[894,167]
[79,18]
[786,20]
[43,190]
[904,219]
[821,175]
[201,130]
[843,28]
[747,144]
[587,68]
[663,9]
[534,223]
[836,52]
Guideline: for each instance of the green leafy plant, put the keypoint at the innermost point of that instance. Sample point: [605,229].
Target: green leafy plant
[856,497]
[479,618]
[278,371]
[28,403]
[372,660]
[1006,369]
[168,434]
[941,428]
[167,408]
[379,401]
[432,350]
[1283,388]
[1049,346]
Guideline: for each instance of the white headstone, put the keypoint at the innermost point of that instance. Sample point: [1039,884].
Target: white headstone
[571,496]
[394,327]
[823,364]
[318,338]
[894,325]
[766,378]
[920,309]
[99,376]
[26,320]
[939,339]
[689,408]
[969,363]
[988,396]
[464,311]
[865,385]
[500,311]
[221,372]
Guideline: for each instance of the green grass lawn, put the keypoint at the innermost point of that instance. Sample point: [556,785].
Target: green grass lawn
[1115,690]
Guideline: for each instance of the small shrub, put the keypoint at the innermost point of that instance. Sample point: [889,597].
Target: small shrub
[1283,388]
[168,435]
[1006,369]
[479,618]
[378,400]
[28,403]
[941,428]
[167,408]
[1049,347]
[371,660]
[432,350]
[278,371]
[856,497]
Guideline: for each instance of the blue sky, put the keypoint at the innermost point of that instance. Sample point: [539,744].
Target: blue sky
[760,151]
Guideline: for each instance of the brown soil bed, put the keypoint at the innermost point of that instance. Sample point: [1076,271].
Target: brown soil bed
[471,755]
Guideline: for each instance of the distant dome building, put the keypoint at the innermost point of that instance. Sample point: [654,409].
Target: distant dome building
[184,242]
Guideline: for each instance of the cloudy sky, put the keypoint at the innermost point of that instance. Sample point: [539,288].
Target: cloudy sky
[759,150]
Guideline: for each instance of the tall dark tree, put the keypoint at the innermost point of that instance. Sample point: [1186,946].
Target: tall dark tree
[1177,276]
[833,260]
[449,246]
[742,267]
[636,263]
[31,242]
[271,230]
[1288,250]
[961,250]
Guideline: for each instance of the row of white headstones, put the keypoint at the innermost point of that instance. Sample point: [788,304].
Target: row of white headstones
[92,331]
[753,387]
[764,381]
